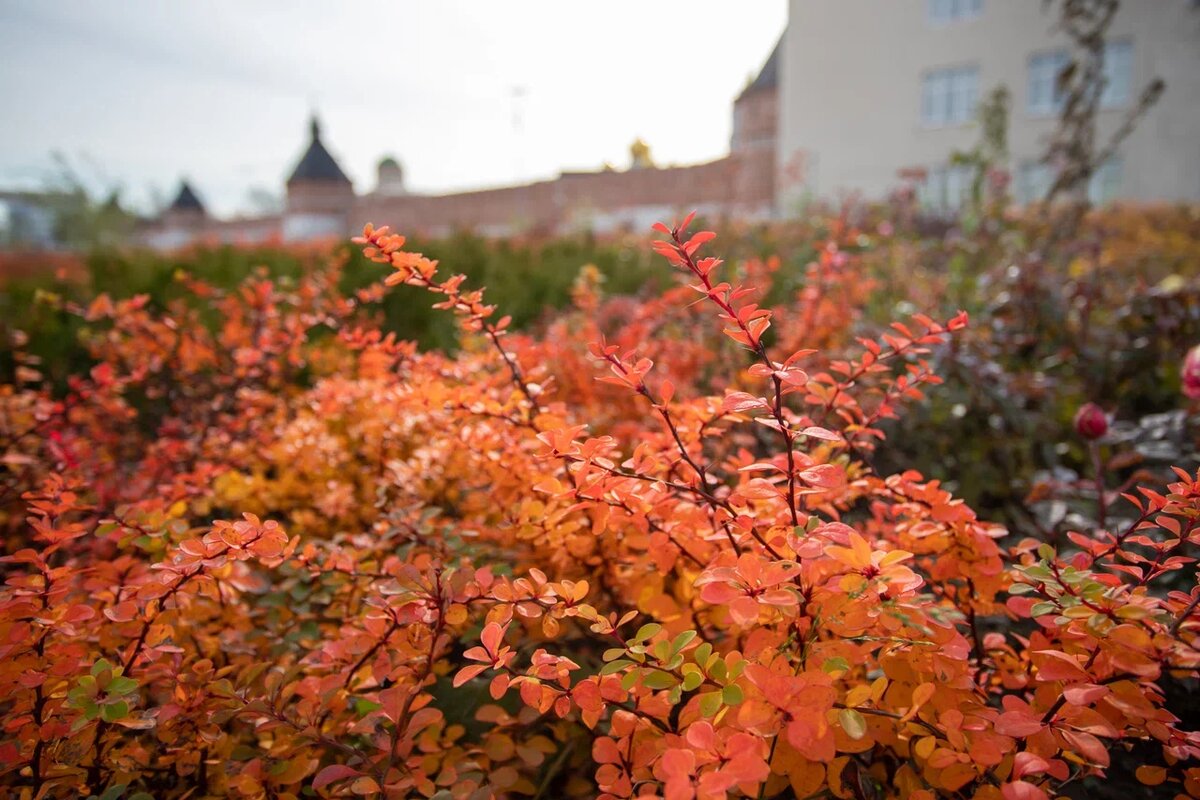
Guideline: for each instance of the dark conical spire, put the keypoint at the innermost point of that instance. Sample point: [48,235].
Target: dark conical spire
[187,200]
[768,76]
[317,164]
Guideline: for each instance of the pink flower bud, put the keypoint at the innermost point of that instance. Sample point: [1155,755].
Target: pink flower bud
[1090,421]
[1190,373]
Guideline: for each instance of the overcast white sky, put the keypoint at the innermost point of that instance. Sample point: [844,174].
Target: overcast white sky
[138,93]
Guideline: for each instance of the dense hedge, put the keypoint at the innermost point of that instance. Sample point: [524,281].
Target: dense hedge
[888,514]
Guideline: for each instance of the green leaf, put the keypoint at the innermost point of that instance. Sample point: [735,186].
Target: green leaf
[647,631]
[84,691]
[1039,572]
[614,653]
[853,723]
[835,664]
[703,651]
[710,704]
[691,678]
[613,667]
[683,640]
[1040,609]
[362,707]
[121,685]
[732,694]
[659,680]
[101,666]
[111,712]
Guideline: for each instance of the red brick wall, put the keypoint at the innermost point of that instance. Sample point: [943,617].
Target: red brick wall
[733,185]
[755,122]
[326,197]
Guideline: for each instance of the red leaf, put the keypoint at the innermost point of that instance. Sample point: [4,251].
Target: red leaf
[1054,665]
[1022,790]
[467,673]
[1018,724]
[826,476]
[333,773]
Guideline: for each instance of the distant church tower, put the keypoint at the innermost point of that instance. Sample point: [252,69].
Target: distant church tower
[319,195]
[390,182]
[182,223]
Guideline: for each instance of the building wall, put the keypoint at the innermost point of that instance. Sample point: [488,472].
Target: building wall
[753,145]
[740,185]
[175,230]
[316,210]
[851,91]
[755,121]
[599,201]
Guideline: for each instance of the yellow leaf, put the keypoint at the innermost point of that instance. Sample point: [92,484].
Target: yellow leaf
[925,746]
[852,723]
[456,614]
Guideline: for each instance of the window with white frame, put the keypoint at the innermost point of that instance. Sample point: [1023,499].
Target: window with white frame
[1105,183]
[945,188]
[1033,182]
[1045,93]
[1118,73]
[1034,179]
[949,96]
[943,12]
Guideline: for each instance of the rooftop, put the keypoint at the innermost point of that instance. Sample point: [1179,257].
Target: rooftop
[317,164]
[768,76]
[187,200]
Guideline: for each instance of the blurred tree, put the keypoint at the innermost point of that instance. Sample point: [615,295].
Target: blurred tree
[1074,152]
[82,221]
[263,202]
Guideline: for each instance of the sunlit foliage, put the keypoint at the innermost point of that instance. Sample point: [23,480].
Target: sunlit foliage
[250,557]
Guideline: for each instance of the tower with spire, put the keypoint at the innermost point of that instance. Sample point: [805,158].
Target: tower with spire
[181,223]
[186,203]
[390,178]
[319,195]
[753,143]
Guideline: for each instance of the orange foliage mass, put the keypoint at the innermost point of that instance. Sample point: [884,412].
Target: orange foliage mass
[490,575]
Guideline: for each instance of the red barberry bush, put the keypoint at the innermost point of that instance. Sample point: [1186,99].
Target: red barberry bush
[490,575]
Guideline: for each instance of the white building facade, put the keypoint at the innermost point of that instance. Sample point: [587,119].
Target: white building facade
[871,88]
